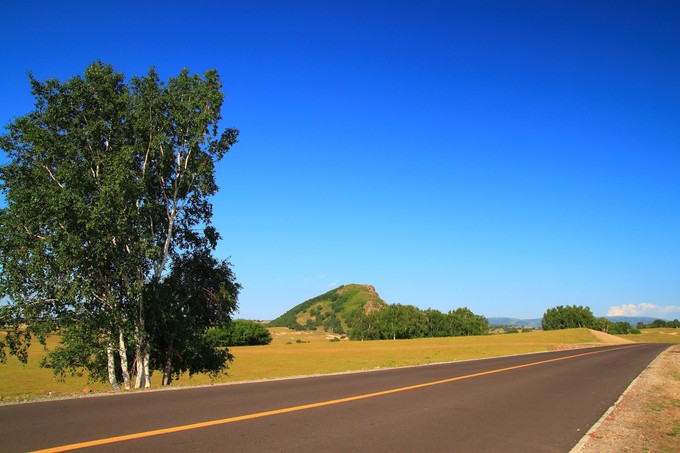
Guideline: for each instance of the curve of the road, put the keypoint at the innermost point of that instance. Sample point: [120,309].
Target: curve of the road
[535,402]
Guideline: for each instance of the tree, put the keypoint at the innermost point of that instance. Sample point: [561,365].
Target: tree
[604,325]
[332,324]
[621,328]
[463,322]
[402,321]
[437,324]
[68,219]
[199,293]
[365,326]
[406,321]
[108,183]
[568,317]
[241,332]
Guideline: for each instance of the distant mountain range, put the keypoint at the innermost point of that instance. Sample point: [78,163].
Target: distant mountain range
[633,319]
[515,322]
[500,321]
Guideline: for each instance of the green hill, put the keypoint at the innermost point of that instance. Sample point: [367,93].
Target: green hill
[333,310]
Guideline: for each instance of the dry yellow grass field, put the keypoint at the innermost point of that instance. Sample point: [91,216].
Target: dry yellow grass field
[20,382]
[307,353]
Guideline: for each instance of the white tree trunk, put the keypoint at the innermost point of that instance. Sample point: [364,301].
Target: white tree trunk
[138,370]
[122,351]
[147,373]
[143,378]
[111,366]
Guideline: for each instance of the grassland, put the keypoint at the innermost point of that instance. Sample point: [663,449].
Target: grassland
[305,353]
[22,382]
[660,335]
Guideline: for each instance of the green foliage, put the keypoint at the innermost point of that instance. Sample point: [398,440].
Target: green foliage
[658,323]
[201,357]
[621,328]
[240,332]
[402,321]
[624,327]
[568,317]
[366,326]
[67,238]
[613,328]
[464,322]
[79,351]
[342,303]
[331,323]
[437,323]
[200,292]
[406,321]
[107,185]
[357,309]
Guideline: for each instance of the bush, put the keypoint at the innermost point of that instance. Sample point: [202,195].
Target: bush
[332,324]
[620,328]
[241,332]
[310,325]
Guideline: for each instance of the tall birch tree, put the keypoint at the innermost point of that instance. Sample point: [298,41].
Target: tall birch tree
[107,183]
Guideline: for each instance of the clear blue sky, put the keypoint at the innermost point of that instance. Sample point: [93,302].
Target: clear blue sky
[504,156]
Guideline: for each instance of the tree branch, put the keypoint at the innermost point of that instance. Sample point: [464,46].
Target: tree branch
[52,176]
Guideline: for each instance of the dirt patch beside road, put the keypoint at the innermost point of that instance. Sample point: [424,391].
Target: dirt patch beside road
[646,417]
[601,337]
[609,339]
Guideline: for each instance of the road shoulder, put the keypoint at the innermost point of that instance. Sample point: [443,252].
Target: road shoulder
[646,417]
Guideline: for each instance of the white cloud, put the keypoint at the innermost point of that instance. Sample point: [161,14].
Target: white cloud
[646,309]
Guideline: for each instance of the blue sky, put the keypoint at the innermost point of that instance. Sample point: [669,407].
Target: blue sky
[504,156]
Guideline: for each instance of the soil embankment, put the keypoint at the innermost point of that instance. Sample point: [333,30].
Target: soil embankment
[609,339]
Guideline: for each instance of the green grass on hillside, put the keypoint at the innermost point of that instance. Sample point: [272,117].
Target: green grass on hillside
[343,301]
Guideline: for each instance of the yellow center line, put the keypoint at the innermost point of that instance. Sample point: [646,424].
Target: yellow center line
[223,421]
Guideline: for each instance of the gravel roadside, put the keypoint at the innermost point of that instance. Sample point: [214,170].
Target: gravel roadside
[647,416]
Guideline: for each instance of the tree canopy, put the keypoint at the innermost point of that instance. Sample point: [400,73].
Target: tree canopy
[568,317]
[108,207]
[398,321]
[241,332]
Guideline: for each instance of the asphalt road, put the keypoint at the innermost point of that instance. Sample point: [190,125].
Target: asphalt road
[530,403]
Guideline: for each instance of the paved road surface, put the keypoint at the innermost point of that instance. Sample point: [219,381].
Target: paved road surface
[530,403]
